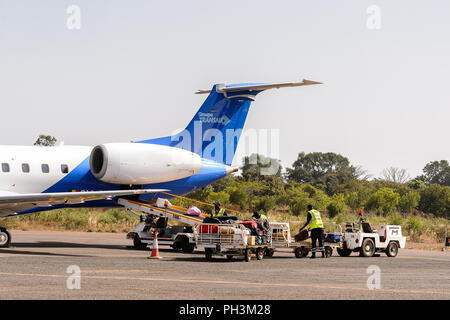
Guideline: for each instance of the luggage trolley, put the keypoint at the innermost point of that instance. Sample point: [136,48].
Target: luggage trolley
[282,241]
[230,240]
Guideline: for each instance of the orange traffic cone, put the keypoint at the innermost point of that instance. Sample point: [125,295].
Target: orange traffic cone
[155,250]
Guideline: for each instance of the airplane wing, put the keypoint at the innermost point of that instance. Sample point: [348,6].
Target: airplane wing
[43,199]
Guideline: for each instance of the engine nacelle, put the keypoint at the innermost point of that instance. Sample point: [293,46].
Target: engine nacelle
[141,163]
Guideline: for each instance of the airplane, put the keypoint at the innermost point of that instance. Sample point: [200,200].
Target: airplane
[36,178]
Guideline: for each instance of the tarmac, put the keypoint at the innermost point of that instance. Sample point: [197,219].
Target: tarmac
[38,266]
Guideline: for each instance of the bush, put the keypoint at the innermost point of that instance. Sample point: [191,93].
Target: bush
[435,199]
[414,227]
[299,205]
[396,219]
[409,201]
[353,201]
[264,204]
[336,205]
[238,196]
[383,201]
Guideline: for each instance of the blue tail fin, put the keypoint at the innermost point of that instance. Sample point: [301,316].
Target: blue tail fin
[215,130]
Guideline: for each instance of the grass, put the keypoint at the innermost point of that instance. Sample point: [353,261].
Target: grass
[90,220]
[418,229]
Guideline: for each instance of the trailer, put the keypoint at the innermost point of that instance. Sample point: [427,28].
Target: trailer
[230,240]
[282,241]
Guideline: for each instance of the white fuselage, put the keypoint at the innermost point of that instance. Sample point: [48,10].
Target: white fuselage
[20,159]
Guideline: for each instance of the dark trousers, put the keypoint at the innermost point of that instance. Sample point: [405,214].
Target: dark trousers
[317,234]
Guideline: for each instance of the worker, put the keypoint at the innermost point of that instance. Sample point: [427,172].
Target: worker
[262,224]
[316,230]
[217,211]
[257,215]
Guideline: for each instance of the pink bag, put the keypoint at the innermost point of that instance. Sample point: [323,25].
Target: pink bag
[194,211]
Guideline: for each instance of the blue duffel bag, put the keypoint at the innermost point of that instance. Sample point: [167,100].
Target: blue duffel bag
[333,237]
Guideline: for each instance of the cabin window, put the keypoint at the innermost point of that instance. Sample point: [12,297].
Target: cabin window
[45,168]
[64,168]
[25,167]
[5,167]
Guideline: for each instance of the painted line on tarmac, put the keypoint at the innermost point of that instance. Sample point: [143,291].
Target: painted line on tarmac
[425,258]
[245,283]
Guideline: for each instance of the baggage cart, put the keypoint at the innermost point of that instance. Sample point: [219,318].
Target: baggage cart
[230,240]
[282,241]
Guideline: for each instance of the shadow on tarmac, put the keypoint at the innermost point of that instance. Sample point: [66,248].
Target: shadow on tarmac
[58,244]
[38,253]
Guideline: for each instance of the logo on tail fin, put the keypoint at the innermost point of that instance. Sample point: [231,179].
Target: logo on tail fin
[210,118]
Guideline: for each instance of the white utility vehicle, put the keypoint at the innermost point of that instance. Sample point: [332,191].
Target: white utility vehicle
[178,237]
[360,237]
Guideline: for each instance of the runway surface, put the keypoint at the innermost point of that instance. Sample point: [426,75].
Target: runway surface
[35,267]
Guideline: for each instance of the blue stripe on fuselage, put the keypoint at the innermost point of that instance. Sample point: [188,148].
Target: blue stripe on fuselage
[81,178]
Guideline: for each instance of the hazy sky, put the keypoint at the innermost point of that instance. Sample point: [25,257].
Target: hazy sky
[131,70]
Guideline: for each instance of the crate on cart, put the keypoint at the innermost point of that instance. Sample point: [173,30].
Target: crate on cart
[228,235]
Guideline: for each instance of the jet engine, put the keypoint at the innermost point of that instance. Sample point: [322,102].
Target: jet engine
[141,163]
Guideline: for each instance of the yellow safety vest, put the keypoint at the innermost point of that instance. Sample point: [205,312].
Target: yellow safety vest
[263,216]
[220,214]
[316,220]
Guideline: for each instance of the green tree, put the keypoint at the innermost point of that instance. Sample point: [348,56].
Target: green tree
[45,141]
[323,170]
[257,166]
[383,201]
[435,199]
[416,184]
[436,172]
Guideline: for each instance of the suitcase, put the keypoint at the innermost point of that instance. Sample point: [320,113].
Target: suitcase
[249,224]
[210,228]
[226,230]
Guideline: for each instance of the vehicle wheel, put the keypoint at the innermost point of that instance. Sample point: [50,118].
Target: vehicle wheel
[248,255]
[269,252]
[208,254]
[301,252]
[187,247]
[367,248]
[137,243]
[344,252]
[328,251]
[5,238]
[259,253]
[392,249]
[230,257]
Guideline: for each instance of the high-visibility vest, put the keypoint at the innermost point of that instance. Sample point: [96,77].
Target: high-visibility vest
[263,216]
[316,220]
[219,214]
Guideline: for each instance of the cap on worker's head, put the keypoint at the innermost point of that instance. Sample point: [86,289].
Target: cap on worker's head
[360,212]
[309,206]
[217,203]
[256,215]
